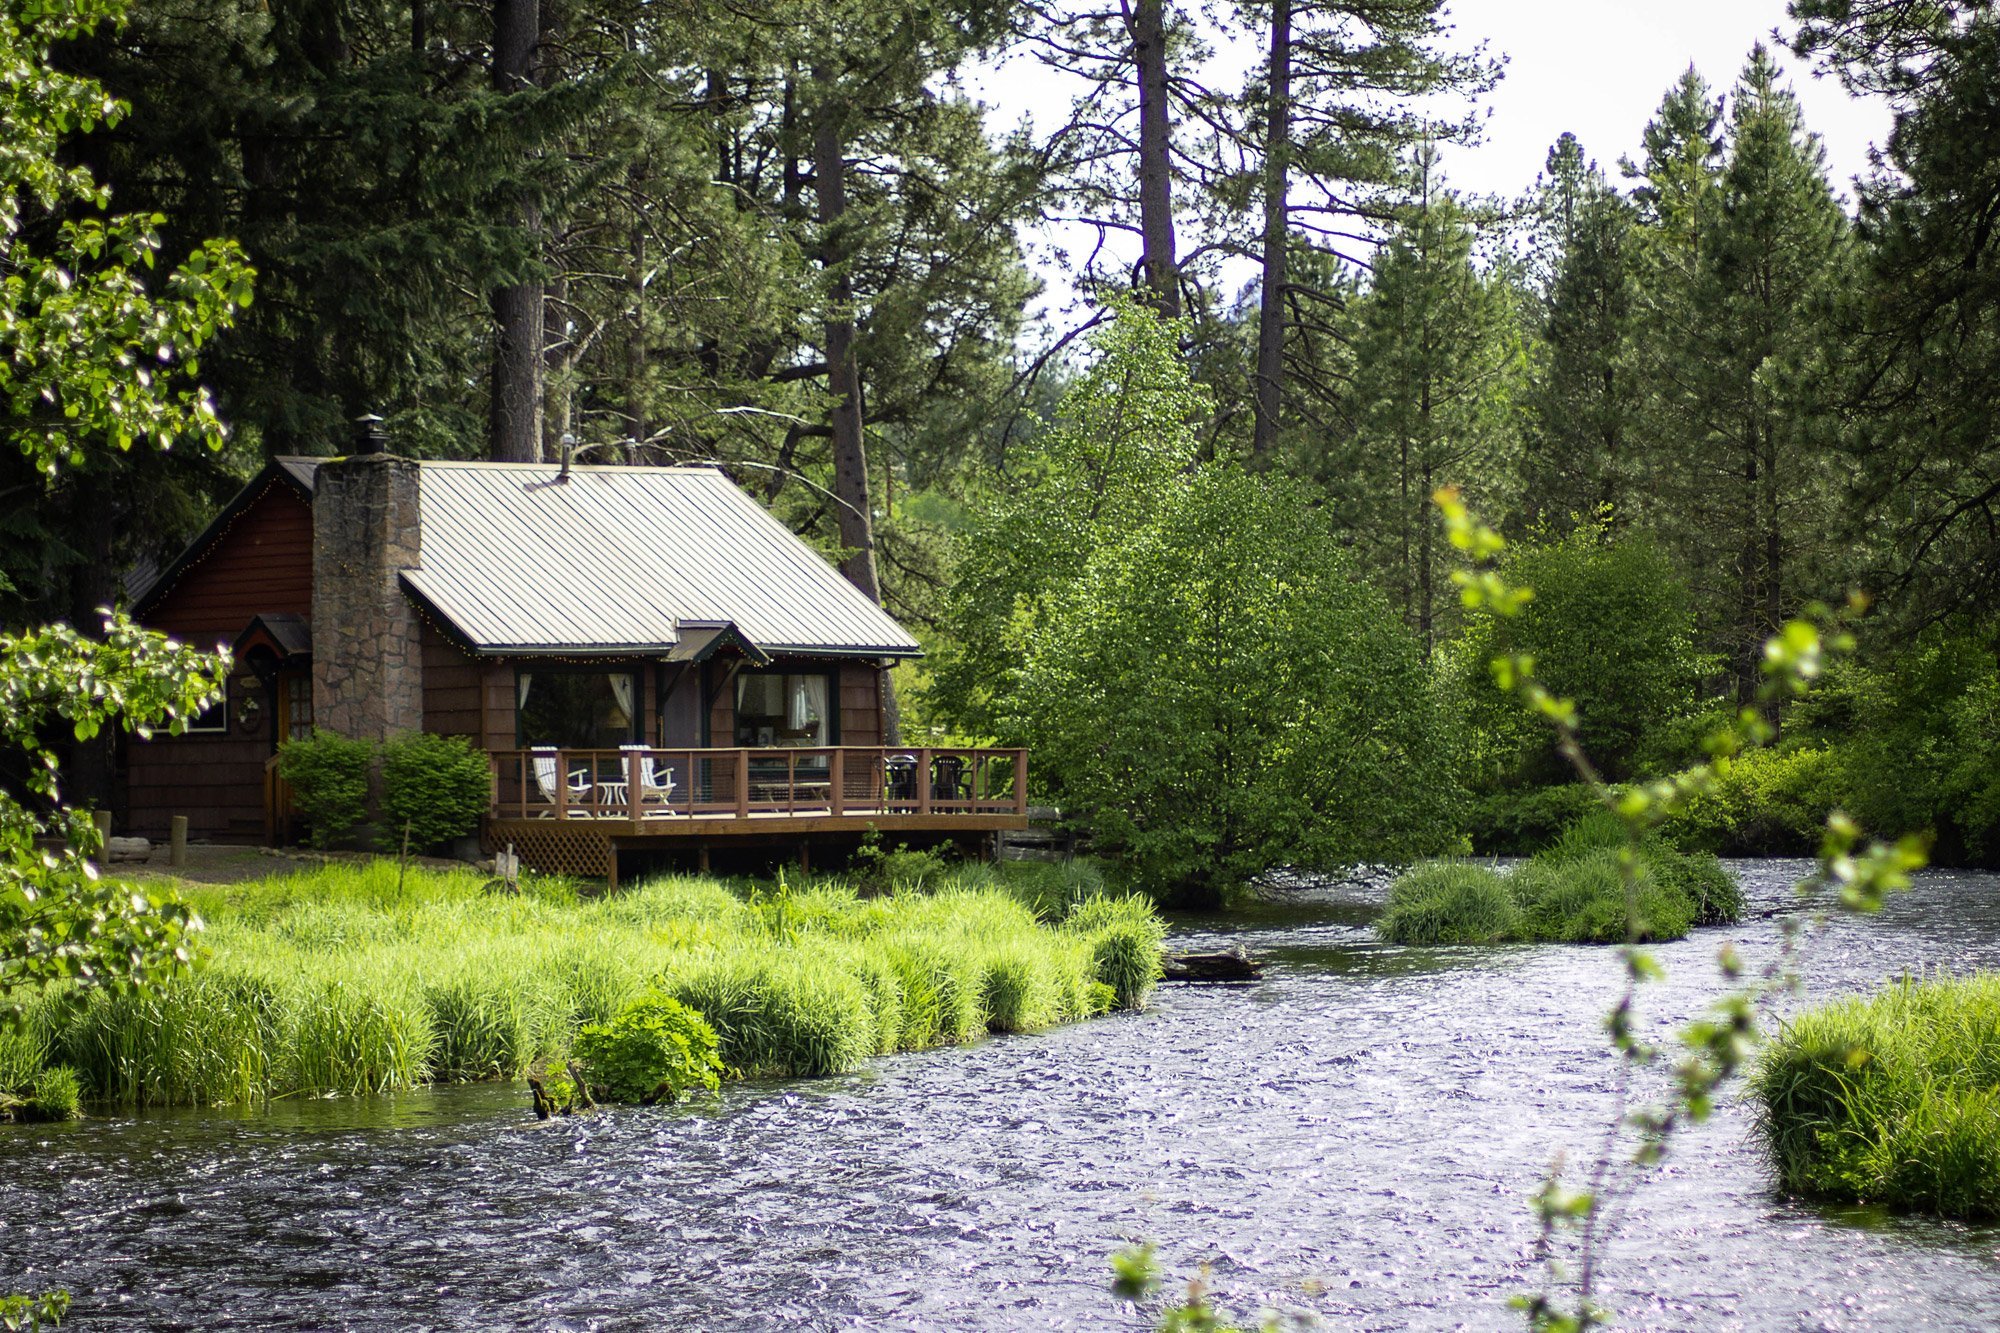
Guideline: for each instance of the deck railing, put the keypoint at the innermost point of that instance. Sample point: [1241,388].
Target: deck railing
[651,783]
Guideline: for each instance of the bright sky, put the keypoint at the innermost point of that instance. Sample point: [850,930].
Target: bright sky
[1596,68]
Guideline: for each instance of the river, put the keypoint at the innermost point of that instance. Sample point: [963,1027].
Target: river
[1355,1138]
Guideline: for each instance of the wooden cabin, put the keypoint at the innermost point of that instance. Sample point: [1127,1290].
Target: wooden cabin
[648,658]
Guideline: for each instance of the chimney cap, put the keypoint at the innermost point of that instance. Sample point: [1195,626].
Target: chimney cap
[373,438]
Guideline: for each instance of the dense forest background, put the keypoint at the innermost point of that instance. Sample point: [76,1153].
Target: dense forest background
[1698,392]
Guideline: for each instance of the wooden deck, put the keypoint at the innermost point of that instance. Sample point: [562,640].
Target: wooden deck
[572,811]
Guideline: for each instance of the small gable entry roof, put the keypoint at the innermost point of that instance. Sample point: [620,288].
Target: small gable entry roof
[518,559]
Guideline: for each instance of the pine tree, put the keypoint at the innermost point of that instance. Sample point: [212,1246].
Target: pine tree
[1747,262]
[1923,334]
[1438,365]
[1348,89]
[1581,404]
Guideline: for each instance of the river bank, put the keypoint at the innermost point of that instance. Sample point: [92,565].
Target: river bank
[1357,1137]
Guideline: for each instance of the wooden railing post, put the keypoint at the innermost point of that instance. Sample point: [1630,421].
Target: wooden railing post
[924,781]
[742,784]
[493,785]
[1020,782]
[836,782]
[562,784]
[635,795]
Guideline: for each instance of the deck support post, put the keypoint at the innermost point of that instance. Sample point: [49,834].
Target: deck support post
[742,784]
[836,775]
[924,781]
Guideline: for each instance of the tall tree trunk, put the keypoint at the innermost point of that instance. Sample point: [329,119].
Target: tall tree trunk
[1147,22]
[1277,230]
[1426,562]
[853,508]
[514,427]
[1747,559]
[637,428]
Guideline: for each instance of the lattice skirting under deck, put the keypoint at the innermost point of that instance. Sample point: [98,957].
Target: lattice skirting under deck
[556,847]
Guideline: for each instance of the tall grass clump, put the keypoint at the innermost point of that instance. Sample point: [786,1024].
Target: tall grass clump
[1583,901]
[354,978]
[1572,892]
[1448,902]
[1714,899]
[1124,935]
[1892,1099]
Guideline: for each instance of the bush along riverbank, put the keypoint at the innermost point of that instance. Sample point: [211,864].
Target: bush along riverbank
[353,979]
[1571,893]
[1892,1099]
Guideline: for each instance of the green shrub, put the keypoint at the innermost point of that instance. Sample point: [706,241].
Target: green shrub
[1581,900]
[900,870]
[1610,627]
[328,775]
[1520,823]
[1892,1099]
[1448,902]
[437,787]
[656,1050]
[1763,803]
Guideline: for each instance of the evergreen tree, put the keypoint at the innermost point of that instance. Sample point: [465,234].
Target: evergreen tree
[1747,438]
[1925,330]
[1438,365]
[1329,127]
[1581,404]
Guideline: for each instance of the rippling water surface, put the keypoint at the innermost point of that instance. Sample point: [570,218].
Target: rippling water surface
[1356,1137]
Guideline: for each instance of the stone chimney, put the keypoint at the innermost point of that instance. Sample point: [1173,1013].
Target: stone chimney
[367,648]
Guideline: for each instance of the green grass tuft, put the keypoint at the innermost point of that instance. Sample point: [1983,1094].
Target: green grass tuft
[1448,902]
[1892,1099]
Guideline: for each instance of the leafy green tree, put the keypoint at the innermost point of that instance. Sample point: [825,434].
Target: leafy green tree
[98,355]
[1217,695]
[1121,442]
[1609,627]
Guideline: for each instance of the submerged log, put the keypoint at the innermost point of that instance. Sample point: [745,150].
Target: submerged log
[1234,965]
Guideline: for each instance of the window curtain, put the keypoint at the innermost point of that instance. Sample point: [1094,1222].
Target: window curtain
[621,690]
[808,703]
[522,679]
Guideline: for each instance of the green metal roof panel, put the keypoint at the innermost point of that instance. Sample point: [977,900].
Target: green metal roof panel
[517,559]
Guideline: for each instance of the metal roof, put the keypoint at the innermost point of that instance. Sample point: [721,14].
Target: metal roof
[624,559]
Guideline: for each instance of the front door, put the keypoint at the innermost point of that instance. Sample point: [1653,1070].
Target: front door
[292,719]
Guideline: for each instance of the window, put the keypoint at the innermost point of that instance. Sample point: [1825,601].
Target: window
[784,708]
[298,688]
[577,710]
[213,720]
